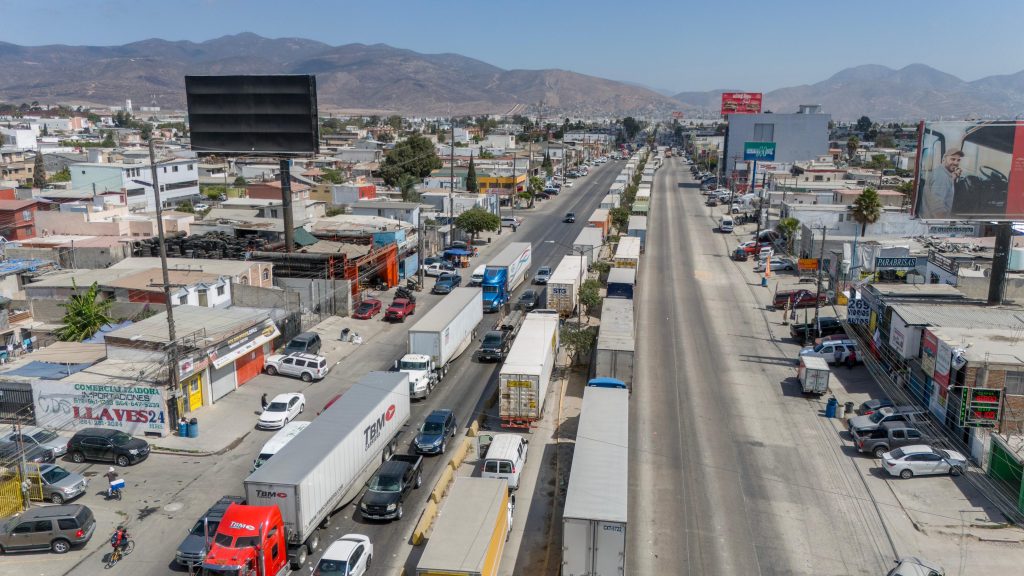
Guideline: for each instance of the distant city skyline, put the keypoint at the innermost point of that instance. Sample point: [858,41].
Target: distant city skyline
[672,46]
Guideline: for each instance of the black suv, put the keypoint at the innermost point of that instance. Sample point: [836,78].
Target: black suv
[570,217]
[55,528]
[306,342]
[107,445]
[495,346]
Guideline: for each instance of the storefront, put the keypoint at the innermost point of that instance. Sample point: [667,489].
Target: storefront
[240,358]
[193,381]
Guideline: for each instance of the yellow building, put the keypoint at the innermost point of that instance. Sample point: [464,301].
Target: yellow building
[500,185]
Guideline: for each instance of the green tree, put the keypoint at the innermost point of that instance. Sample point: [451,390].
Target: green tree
[477,220]
[395,121]
[240,182]
[214,192]
[879,162]
[333,176]
[108,139]
[631,126]
[788,228]
[590,295]
[414,156]
[407,186]
[533,188]
[851,146]
[45,131]
[547,165]
[863,124]
[620,217]
[84,314]
[39,172]
[867,209]
[186,206]
[63,175]
[578,342]
[885,141]
[471,184]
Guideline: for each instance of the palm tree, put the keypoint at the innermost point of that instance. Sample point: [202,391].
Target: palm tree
[867,209]
[851,146]
[84,315]
[788,227]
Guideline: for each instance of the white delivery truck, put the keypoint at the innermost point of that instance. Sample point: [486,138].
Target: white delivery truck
[327,464]
[524,377]
[627,255]
[814,375]
[439,337]
[589,242]
[594,517]
[469,535]
[564,285]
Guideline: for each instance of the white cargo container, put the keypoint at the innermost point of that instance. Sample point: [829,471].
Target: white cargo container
[594,517]
[638,227]
[440,337]
[814,375]
[469,534]
[643,192]
[616,341]
[589,242]
[627,254]
[564,285]
[326,465]
[524,377]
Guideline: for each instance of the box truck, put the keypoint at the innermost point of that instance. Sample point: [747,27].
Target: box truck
[469,534]
[814,375]
[524,377]
[564,285]
[616,341]
[638,227]
[291,497]
[594,517]
[505,273]
[439,337]
[621,283]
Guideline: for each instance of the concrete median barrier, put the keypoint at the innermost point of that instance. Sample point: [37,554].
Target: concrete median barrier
[441,488]
[426,521]
[459,454]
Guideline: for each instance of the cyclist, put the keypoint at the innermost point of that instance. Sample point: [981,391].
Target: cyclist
[111,477]
[120,538]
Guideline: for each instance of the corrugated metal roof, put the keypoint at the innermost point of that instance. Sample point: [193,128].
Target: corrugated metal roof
[959,315]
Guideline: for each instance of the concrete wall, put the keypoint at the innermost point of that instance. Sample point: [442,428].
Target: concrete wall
[256,297]
[797,136]
[975,287]
[51,311]
[330,296]
[82,257]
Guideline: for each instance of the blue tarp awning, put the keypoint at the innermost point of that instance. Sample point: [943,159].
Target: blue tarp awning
[606,383]
[457,252]
[100,337]
[47,370]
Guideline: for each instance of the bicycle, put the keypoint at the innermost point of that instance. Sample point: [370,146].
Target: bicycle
[120,552]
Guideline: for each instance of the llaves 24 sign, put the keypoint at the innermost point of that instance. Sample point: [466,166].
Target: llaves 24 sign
[132,409]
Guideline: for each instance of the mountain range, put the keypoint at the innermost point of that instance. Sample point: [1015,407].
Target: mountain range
[360,78]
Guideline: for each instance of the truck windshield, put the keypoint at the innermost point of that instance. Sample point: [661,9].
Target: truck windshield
[411,365]
[490,288]
[492,341]
[385,484]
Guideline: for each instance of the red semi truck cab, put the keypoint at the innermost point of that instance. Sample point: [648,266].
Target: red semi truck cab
[250,541]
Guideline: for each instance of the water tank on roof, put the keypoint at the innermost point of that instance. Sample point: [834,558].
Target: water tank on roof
[1017,259]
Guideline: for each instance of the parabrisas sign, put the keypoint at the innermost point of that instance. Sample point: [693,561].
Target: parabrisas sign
[759,151]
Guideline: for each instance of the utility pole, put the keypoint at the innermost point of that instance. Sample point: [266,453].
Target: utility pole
[817,292]
[451,185]
[512,198]
[172,405]
[420,239]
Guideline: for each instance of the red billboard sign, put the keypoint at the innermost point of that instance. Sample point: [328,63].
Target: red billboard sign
[677,115]
[741,103]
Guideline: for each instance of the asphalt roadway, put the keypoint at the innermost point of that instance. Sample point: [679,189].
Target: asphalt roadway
[730,472]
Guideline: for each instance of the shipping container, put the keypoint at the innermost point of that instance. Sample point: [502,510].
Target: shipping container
[564,285]
[589,242]
[469,535]
[638,228]
[600,218]
[610,202]
[525,375]
[326,465]
[616,341]
[621,283]
[627,254]
[594,516]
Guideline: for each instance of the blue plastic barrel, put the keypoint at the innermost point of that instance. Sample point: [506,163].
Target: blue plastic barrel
[193,427]
[183,428]
[830,408]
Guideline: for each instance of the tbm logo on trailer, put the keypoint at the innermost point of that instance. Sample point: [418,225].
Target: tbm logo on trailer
[372,432]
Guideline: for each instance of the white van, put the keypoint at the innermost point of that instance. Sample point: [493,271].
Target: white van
[725,224]
[505,459]
[278,441]
[478,275]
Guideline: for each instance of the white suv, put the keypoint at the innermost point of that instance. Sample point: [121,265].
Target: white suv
[309,367]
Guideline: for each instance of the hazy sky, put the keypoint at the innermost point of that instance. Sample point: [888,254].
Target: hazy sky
[677,45]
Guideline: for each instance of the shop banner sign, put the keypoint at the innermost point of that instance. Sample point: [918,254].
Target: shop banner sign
[858,312]
[131,409]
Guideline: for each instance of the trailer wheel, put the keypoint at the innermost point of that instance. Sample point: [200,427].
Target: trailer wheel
[313,542]
[300,558]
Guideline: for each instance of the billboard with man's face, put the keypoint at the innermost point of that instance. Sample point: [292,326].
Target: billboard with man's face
[970,171]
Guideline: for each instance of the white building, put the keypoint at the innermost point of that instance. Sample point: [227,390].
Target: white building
[179,180]
[21,138]
[499,141]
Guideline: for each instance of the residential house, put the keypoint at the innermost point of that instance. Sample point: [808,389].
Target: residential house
[404,211]
[178,179]
[18,219]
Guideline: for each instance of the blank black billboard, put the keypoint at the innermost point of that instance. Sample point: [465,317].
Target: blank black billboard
[253,115]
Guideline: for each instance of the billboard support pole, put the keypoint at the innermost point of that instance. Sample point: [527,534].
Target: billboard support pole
[286,205]
[1000,263]
[753,184]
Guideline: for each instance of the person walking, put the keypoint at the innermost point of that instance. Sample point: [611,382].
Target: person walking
[111,477]
[851,359]
[838,356]
[264,402]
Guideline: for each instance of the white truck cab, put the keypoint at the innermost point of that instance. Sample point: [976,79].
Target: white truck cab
[422,375]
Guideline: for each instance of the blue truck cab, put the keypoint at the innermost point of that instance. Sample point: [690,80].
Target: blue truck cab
[504,274]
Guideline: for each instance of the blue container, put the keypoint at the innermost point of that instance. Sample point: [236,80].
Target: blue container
[193,426]
[183,429]
[830,408]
